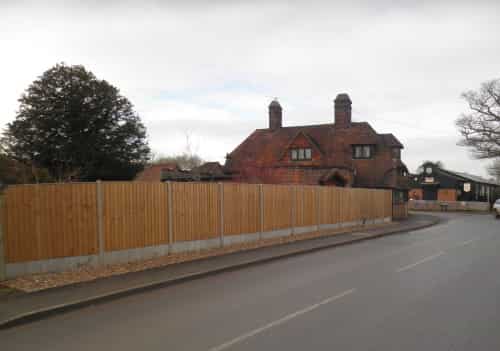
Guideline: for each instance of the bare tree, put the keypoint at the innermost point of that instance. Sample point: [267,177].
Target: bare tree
[438,164]
[480,128]
[494,169]
[188,159]
[184,161]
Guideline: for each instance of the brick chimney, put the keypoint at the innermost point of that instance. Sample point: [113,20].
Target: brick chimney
[275,115]
[343,111]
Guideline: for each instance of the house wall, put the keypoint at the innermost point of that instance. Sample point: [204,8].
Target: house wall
[370,173]
[375,171]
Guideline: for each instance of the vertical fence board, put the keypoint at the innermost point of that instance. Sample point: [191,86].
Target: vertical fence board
[134,215]
[49,221]
[305,206]
[60,220]
[277,207]
[241,208]
[195,211]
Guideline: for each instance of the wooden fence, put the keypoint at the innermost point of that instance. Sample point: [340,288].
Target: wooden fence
[60,220]
[400,210]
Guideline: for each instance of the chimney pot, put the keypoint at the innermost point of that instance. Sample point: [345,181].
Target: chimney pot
[342,111]
[275,115]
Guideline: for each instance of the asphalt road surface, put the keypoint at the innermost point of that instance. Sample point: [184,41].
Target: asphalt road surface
[433,289]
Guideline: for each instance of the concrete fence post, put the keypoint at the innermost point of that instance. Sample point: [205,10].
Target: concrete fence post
[170,217]
[3,273]
[100,221]
[221,213]
[318,205]
[261,208]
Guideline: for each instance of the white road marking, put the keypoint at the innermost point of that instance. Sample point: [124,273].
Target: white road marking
[402,269]
[466,242]
[279,321]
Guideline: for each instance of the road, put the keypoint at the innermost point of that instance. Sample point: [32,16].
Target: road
[433,289]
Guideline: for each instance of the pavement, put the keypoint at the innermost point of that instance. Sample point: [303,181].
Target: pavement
[18,308]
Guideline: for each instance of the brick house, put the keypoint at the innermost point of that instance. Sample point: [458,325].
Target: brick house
[343,153]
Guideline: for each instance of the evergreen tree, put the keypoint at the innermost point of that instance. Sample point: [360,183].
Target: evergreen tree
[77,127]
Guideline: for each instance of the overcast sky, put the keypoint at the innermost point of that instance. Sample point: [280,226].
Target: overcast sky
[209,69]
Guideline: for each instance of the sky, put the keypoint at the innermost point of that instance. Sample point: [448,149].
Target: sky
[203,72]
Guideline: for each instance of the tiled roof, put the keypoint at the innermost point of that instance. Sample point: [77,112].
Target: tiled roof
[210,168]
[390,140]
[267,146]
[153,173]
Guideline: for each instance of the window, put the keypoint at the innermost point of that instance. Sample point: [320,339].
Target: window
[358,152]
[362,151]
[301,154]
[308,154]
[396,152]
[367,151]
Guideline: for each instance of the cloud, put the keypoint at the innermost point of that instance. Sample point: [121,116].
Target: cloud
[211,67]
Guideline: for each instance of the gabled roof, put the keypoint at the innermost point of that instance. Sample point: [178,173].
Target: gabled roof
[310,140]
[390,140]
[266,146]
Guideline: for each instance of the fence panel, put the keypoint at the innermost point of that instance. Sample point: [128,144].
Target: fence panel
[305,206]
[60,220]
[134,215]
[330,205]
[277,207]
[241,208]
[50,220]
[195,211]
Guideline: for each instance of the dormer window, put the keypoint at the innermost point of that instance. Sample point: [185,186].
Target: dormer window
[301,154]
[362,151]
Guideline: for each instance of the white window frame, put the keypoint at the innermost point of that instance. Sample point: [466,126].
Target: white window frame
[308,153]
[301,154]
[363,152]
